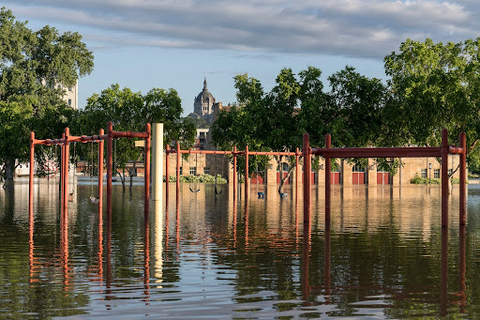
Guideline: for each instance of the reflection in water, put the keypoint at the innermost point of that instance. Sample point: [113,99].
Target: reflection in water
[382,255]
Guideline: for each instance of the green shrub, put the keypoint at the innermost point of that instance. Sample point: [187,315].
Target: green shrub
[203,178]
[420,180]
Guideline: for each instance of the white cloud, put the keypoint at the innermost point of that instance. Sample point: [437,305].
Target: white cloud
[361,28]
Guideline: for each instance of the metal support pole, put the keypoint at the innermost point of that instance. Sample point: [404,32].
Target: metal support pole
[167,175]
[463,177]
[246,173]
[157,163]
[147,171]
[30,181]
[328,165]
[234,174]
[444,152]
[62,180]
[100,175]
[297,178]
[307,167]
[178,174]
[67,154]
[109,170]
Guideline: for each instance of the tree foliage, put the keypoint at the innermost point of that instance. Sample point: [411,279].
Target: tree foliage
[434,86]
[277,120]
[32,66]
[130,111]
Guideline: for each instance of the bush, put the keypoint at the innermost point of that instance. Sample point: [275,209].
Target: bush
[203,178]
[420,180]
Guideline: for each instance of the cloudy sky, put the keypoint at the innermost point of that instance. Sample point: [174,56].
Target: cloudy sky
[142,44]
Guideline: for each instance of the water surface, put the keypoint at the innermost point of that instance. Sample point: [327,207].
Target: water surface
[384,256]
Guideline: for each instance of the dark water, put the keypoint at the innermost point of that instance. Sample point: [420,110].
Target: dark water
[384,257]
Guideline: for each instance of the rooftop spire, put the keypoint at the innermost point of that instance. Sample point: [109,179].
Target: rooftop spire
[205,83]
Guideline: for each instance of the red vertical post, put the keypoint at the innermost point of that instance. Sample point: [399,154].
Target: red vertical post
[307,165]
[109,169]
[178,174]
[62,180]
[30,181]
[246,173]
[167,177]
[67,154]
[100,175]
[463,178]
[444,152]
[234,174]
[147,170]
[296,174]
[328,166]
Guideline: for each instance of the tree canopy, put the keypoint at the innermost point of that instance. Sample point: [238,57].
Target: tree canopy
[130,110]
[276,120]
[32,66]
[434,86]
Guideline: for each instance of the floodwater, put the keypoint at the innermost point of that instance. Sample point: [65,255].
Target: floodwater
[385,255]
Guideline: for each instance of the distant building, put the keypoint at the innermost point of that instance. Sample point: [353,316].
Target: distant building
[203,105]
[71,96]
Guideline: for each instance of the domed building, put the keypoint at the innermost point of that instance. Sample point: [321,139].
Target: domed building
[203,104]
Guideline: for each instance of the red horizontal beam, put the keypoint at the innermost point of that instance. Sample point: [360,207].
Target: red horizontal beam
[411,152]
[250,153]
[85,139]
[129,134]
[456,150]
[49,141]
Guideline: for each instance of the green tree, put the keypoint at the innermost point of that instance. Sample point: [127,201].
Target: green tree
[32,66]
[277,120]
[130,110]
[433,86]
[272,121]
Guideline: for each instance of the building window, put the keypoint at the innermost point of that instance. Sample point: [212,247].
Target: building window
[181,170]
[436,173]
[450,172]
[70,102]
[206,170]
[193,171]
[423,173]
[358,168]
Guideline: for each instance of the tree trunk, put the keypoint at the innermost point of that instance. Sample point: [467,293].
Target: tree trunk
[9,170]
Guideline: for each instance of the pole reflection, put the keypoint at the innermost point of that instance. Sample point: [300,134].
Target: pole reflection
[305,264]
[100,246]
[64,249]
[444,276]
[234,222]
[177,228]
[108,260]
[31,256]
[462,269]
[327,262]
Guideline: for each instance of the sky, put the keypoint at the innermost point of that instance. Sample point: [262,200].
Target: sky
[145,44]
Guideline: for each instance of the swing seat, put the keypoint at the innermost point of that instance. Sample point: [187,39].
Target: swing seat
[261,195]
[94,199]
[194,191]
[283,195]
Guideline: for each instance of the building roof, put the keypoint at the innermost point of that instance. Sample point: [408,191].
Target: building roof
[205,95]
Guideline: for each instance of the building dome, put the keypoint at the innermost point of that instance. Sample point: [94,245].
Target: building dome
[205,96]
[204,102]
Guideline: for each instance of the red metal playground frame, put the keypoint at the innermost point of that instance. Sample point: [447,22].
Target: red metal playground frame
[67,139]
[407,152]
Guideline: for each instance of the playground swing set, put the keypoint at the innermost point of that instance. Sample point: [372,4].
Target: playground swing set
[327,153]
[65,141]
